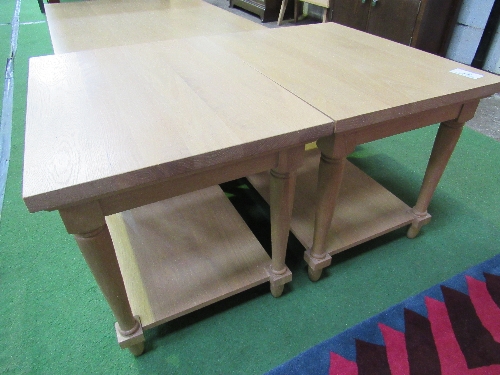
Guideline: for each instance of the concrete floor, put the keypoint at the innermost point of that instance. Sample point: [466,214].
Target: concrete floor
[486,121]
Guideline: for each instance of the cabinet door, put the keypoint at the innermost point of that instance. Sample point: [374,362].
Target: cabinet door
[352,13]
[393,19]
[439,19]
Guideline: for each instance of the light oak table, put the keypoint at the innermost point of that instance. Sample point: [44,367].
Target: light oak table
[127,144]
[92,24]
[373,88]
[110,149]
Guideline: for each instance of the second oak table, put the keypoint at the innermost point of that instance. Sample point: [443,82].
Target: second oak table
[372,88]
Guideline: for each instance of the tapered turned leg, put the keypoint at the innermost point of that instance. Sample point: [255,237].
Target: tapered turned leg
[444,144]
[329,180]
[282,192]
[334,151]
[325,15]
[89,228]
[284,3]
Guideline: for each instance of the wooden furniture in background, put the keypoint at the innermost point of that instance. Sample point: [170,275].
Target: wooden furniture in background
[373,88]
[424,24]
[437,25]
[84,25]
[325,4]
[267,10]
[111,130]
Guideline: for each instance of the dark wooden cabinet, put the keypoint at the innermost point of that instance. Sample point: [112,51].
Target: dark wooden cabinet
[424,24]
[394,19]
[267,10]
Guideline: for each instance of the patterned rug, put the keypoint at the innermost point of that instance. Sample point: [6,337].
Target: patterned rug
[450,329]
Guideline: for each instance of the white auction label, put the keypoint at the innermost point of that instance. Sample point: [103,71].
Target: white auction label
[466,73]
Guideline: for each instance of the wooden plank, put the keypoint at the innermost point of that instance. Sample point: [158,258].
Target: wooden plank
[365,209]
[403,124]
[356,78]
[94,24]
[106,120]
[182,254]
[183,184]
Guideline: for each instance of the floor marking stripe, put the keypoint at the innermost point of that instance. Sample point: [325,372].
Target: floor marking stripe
[7,106]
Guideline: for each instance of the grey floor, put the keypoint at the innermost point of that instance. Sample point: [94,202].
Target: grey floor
[486,121]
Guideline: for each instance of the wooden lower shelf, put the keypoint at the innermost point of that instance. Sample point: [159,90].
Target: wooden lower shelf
[185,253]
[365,209]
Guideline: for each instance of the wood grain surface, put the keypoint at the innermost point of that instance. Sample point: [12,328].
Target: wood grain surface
[102,121]
[354,77]
[181,254]
[84,25]
[98,123]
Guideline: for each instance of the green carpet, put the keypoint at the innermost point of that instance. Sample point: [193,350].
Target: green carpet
[55,321]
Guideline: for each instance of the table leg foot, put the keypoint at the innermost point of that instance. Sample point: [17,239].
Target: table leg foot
[421,219]
[277,290]
[137,349]
[314,275]
[316,265]
[132,339]
[278,280]
[412,231]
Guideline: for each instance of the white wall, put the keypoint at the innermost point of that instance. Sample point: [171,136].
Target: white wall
[469,30]
[492,62]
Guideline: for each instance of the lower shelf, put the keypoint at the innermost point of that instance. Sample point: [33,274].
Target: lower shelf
[184,253]
[365,209]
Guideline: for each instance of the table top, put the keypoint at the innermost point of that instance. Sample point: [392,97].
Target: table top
[354,77]
[107,120]
[91,24]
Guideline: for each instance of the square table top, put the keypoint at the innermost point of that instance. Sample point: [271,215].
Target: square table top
[112,119]
[92,24]
[109,119]
[354,77]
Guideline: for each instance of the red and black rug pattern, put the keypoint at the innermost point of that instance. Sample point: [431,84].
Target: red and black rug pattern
[450,329]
